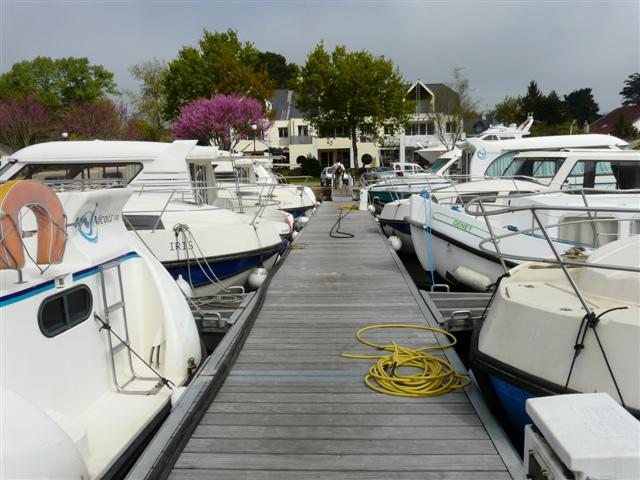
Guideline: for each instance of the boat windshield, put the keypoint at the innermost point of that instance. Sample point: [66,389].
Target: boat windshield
[437,165]
[86,175]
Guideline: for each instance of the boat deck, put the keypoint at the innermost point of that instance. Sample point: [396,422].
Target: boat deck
[292,407]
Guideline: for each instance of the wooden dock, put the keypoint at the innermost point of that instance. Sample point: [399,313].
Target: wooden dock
[291,407]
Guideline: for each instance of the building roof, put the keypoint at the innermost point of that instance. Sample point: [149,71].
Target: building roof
[283,104]
[606,123]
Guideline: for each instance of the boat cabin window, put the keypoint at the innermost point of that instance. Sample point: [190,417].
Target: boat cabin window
[542,168]
[65,310]
[499,165]
[98,175]
[245,174]
[604,174]
[198,175]
[143,222]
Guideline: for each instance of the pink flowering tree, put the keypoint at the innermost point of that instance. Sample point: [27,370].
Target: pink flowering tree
[24,122]
[223,119]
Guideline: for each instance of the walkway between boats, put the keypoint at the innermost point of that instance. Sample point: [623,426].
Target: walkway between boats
[291,407]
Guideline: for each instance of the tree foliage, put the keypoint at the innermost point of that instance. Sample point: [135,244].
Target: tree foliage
[631,91]
[581,106]
[532,101]
[100,119]
[150,103]
[220,64]
[624,129]
[509,110]
[225,119]
[56,83]
[283,74]
[23,122]
[552,115]
[354,90]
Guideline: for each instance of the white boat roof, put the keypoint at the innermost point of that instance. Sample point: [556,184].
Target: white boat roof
[586,154]
[554,141]
[160,155]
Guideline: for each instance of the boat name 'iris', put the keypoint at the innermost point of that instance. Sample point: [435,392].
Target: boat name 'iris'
[173,246]
[87,223]
[462,225]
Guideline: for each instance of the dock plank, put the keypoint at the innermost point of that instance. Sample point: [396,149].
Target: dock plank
[292,407]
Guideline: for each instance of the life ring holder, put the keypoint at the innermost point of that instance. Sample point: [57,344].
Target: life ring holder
[50,219]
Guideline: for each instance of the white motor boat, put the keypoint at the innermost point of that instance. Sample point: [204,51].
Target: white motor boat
[447,238]
[212,248]
[437,151]
[563,327]
[249,181]
[96,335]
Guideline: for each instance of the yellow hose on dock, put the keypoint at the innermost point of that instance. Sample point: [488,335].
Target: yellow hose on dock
[436,376]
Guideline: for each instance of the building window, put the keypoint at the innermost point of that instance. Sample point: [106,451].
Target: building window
[423,129]
[388,130]
[431,128]
[283,132]
[407,130]
[303,130]
[65,310]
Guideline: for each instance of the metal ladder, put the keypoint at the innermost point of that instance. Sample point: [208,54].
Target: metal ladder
[109,309]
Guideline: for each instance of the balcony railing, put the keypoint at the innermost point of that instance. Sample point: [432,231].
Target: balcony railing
[300,140]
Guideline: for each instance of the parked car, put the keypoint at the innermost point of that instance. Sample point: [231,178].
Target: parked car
[403,169]
[376,175]
[326,176]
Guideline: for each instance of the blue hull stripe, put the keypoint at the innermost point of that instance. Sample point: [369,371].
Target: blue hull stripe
[49,285]
[297,212]
[222,269]
[93,270]
[402,227]
[513,400]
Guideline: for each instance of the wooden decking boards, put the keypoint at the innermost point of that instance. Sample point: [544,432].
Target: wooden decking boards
[292,407]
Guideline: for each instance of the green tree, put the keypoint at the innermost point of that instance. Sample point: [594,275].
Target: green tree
[57,83]
[220,64]
[354,90]
[150,103]
[631,90]
[281,72]
[532,101]
[581,106]
[551,109]
[509,111]
[624,129]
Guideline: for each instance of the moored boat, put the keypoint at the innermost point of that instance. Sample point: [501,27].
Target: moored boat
[96,336]
[562,327]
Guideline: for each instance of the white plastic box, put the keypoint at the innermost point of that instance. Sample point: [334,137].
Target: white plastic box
[581,436]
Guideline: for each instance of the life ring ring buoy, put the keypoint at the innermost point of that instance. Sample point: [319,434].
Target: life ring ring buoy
[49,213]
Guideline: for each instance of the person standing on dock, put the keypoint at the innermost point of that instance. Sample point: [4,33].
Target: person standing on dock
[338,174]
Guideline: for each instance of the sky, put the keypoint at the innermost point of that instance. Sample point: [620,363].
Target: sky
[501,45]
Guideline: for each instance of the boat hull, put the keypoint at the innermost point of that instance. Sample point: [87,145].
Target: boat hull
[229,271]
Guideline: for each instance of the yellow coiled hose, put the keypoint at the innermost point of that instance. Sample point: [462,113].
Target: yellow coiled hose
[435,375]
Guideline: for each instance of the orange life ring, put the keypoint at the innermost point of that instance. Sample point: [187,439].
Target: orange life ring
[44,203]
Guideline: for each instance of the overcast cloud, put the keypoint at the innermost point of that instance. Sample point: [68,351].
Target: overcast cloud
[502,45]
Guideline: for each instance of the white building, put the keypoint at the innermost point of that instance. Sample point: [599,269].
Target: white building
[293,138]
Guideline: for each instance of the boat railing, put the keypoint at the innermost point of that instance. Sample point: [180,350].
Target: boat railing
[489,206]
[214,197]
